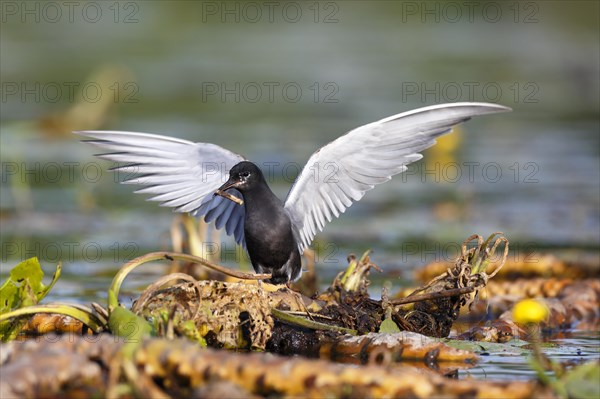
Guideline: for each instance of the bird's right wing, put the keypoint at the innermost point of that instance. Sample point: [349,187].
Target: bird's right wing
[177,173]
[341,172]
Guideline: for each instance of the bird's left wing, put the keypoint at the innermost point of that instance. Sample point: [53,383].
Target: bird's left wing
[177,173]
[343,170]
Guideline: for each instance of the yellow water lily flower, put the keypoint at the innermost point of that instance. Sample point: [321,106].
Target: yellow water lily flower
[530,311]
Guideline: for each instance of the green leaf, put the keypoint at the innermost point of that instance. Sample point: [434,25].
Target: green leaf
[10,329]
[9,294]
[190,330]
[582,381]
[24,286]
[388,326]
[29,270]
[126,324]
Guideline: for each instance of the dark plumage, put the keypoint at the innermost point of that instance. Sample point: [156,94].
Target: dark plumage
[267,227]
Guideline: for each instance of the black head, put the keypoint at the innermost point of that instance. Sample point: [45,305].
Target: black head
[244,176]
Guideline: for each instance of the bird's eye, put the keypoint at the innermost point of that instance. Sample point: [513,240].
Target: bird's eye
[245,174]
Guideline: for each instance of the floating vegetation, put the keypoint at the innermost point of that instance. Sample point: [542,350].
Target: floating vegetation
[160,347]
[179,368]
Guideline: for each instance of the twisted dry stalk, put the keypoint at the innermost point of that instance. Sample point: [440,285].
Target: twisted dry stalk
[437,304]
[469,271]
[152,288]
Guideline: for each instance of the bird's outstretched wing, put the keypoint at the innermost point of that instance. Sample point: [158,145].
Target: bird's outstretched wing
[343,170]
[178,173]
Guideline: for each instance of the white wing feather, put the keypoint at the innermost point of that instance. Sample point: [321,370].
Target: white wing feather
[341,172]
[178,173]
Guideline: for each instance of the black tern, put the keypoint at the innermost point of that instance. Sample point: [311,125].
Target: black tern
[212,182]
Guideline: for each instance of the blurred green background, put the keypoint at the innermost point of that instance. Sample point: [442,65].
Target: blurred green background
[277,80]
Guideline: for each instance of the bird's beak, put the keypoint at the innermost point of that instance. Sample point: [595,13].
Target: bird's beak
[222,191]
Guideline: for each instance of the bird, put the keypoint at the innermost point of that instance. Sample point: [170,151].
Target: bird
[219,185]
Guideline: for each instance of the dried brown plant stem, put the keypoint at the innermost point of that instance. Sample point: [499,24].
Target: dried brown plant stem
[433,295]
